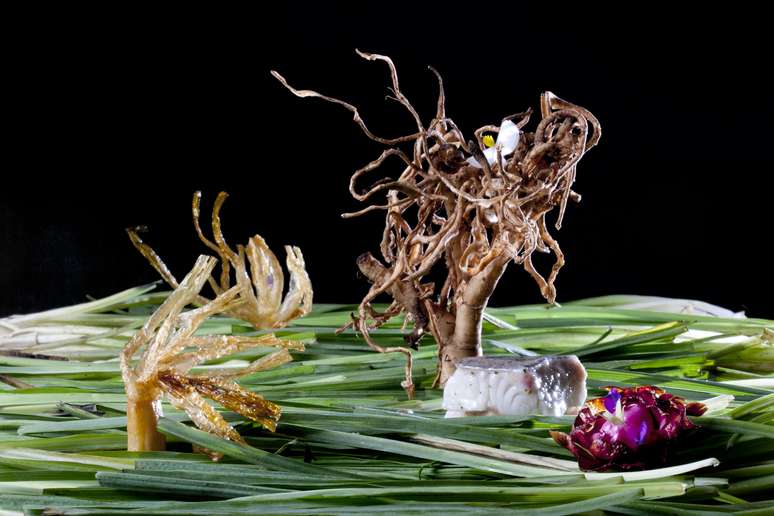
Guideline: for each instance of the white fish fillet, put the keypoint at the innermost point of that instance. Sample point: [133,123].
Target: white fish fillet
[506,385]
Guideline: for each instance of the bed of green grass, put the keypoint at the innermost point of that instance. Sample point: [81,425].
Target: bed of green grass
[349,440]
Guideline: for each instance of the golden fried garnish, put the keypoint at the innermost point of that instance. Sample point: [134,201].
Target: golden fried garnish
[169,351]
[258,274]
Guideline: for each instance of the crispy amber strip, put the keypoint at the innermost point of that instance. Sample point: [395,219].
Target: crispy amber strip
[150,255]
[185,397]
[212,347]
[271,361]
[229,394]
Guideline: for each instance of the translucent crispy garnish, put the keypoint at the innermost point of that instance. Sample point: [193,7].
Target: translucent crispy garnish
[258,274]
[185,392]
[170,349]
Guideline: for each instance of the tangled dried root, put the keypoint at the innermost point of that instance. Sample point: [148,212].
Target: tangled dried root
[472,206]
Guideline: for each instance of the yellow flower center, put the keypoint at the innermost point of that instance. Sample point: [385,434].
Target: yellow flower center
[489,141]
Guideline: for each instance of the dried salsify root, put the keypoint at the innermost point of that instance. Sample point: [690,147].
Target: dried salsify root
[169,351]
[259,276]
[464,208]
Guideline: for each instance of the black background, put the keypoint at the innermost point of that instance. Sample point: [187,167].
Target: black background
[114,118]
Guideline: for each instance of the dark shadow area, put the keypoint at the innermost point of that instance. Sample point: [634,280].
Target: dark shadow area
[117,118]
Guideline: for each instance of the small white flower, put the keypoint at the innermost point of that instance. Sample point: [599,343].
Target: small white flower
[507,140]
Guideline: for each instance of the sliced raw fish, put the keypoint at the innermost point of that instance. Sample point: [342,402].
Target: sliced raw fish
[507,385]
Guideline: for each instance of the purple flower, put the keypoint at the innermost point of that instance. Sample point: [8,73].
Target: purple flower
[611,400]
[630,428]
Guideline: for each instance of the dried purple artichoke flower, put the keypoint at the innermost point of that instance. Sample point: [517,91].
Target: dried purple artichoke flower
[630,428]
